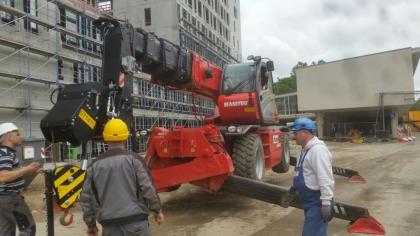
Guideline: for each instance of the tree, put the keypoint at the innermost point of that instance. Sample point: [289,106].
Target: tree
[285,85]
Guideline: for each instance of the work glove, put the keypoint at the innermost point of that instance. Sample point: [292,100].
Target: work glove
[326,213]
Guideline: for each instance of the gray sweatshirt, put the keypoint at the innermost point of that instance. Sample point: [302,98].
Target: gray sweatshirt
[118,189]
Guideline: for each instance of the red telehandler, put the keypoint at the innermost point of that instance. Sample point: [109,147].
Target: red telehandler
[230,152]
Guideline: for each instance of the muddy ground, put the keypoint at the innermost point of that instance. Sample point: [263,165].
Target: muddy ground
[392,195]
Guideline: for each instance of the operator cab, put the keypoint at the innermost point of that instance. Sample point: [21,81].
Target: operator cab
[246,93]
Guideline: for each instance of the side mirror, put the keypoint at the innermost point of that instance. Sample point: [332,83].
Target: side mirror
[250,57]
[208,74]
[270,65]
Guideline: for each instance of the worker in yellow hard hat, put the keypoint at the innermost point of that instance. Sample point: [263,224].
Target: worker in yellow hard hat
[118,191]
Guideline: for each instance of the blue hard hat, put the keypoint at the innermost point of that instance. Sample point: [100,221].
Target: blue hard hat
[303,123]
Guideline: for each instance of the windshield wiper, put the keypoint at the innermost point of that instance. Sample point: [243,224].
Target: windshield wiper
[240,85]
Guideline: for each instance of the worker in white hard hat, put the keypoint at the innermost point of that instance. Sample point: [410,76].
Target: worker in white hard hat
[118,191]
[14,212]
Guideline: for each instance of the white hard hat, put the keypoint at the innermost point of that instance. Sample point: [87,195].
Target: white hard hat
[7,127]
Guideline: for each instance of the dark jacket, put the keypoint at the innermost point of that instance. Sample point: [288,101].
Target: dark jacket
[118,190]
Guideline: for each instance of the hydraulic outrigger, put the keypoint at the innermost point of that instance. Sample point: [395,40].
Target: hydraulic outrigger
[353,175]
[360,219]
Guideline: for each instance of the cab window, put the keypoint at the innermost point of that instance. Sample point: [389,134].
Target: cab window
[239,78]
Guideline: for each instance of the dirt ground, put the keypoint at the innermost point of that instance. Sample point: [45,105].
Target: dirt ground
[392,195]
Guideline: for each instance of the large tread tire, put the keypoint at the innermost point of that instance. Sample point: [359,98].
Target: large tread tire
[248,157]
[283,166]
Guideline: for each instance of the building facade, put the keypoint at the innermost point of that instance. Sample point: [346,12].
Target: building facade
[211,28]
[369,93]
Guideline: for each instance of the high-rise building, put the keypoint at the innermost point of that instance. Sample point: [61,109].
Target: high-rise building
[211,28]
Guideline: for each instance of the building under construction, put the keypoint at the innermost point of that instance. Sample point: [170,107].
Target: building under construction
[45,45]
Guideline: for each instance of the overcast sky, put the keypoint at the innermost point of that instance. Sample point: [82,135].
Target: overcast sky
[289,31]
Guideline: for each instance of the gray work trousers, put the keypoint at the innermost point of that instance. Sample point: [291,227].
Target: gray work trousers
[140,228]
[14,212]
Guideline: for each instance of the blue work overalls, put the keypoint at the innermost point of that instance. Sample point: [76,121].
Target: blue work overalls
[310,200]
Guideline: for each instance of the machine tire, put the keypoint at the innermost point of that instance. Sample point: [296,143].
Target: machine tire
[248,157]
[283,166]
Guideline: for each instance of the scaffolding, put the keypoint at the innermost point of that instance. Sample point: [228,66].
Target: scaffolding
[155,105]
[47,46]
[32,58]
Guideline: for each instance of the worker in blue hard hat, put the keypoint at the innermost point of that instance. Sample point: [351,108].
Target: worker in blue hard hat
[313,179]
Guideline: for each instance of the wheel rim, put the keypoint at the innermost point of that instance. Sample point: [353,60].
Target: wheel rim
[259,165]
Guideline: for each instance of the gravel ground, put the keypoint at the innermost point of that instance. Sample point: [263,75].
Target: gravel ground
[391,194]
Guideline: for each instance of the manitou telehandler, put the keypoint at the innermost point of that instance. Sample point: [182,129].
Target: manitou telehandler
[230,152]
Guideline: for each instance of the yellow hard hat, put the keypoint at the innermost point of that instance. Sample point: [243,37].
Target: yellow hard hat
[115,130]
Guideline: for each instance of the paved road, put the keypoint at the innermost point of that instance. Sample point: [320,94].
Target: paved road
[392,195]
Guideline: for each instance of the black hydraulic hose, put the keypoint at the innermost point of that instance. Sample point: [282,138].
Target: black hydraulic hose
[52,94]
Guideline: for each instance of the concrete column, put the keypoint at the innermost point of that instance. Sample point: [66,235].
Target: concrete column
[55,152]
[394,124]
[320,124]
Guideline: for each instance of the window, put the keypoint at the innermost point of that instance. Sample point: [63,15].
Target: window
[184,14]
[85,73]
[94,34]
[239,78]
[235,13]
[193,21]
[96,74]
[147,17]
[30,6]
[199,8]
[88,23]
[214,23]
[207,15]
[59,69]
[92,2]
[81,24]
[71,24]
[6,17]
[75,73]
[178,11]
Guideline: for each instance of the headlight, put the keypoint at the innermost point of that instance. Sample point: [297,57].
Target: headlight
[239,130]
[143,132]
[231,129]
